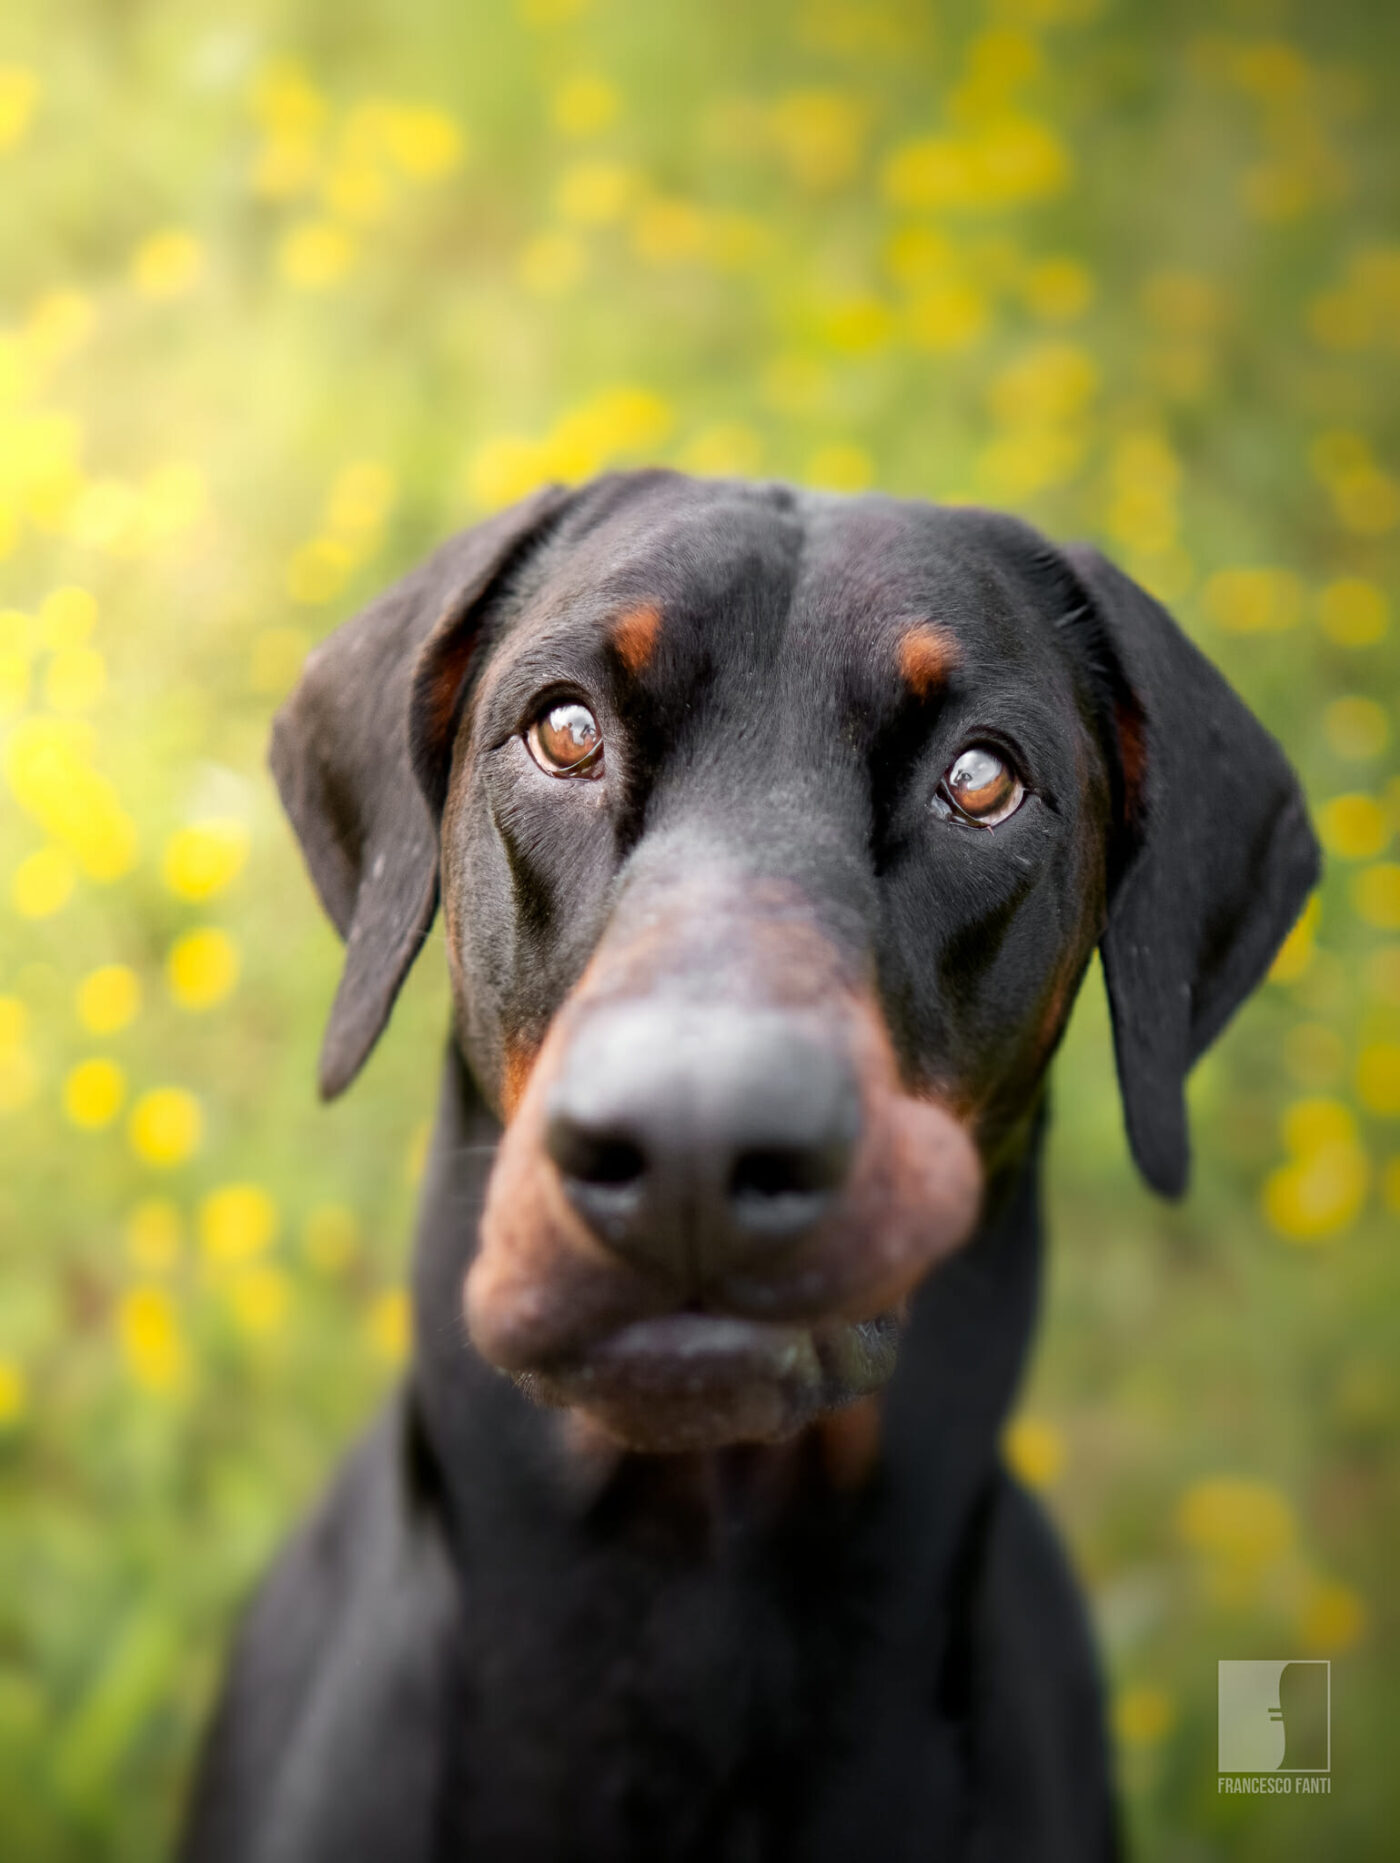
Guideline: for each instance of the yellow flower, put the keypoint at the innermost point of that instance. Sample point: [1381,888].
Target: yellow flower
[595,193]
[1356,728]
[319,570]
[795,384]
[108,999]
[1378,1079]
[285,101]
[258,1299]
[76,680]
[172,498]
[840,468]
[503,469]
[14,682]
[43,883]
[286,165]
[330,1237]
[425,142]
[93,1093]
[148,1325]
[167,264]
[914,254]
[202,968]
[818,134]
[153,1235]
[1332,1620]
[669,231]
[14,1391]
[360,499]
[552,263]
[388,1324]
[1034,1450]
[1320,1193]
[1354,827]
[1252,601]
[1143,1715]
[47,767]
[1383,975]
[549,12]
[19,1078]
[276,657]
[67,617]
[1048,382]
[1058,290]
[1296,952]
[1376,895]
[165,1127]
[947,316]
[237,1223]
[204,858]
[19,97]
[724,448]
[1243,1523]
[619,423]
[1005,162]
[315,254]
[583,105]
[1182,303]
[356,190]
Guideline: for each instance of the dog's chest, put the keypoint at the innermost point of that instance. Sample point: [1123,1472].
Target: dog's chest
[636,1708]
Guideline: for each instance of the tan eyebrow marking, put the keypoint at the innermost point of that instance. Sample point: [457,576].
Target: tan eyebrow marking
[927,654]
[634,635]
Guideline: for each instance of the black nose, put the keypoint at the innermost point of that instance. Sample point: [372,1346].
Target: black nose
[691,1140]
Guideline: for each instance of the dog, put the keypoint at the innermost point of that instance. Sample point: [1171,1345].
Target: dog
[773,833]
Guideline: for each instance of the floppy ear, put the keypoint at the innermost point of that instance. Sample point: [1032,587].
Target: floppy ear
[1224,859]
[345,765]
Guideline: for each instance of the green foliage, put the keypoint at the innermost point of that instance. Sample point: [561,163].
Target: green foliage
[287,293]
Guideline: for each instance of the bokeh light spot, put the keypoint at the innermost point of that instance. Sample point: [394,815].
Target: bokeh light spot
[166,1127]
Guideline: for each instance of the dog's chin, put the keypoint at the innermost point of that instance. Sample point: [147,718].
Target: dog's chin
[694,1381]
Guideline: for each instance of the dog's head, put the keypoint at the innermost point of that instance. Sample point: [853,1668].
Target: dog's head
[773,832]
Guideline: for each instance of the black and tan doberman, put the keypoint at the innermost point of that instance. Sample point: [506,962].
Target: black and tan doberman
[773,833]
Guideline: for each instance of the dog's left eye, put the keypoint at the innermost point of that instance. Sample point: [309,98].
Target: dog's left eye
[565,741]
[980,786]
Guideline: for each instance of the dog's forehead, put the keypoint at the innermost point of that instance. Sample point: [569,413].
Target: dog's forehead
[815,569]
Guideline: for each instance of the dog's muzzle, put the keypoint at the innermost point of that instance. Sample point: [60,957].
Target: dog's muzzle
[705,1216]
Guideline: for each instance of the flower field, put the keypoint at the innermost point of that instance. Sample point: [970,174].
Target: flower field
[288,292]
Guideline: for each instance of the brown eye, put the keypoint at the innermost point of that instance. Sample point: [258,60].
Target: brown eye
[982,786]
[566,741]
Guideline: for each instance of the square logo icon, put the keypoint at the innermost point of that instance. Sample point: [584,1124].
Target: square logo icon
[1276,1716]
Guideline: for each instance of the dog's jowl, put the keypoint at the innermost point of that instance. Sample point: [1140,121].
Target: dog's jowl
[773,833]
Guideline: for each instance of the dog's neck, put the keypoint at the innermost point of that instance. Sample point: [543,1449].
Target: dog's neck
[513,1473]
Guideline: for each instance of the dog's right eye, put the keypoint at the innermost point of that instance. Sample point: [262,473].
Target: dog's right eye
[565,741]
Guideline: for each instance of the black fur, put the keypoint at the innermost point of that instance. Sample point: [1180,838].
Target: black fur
[479,1648]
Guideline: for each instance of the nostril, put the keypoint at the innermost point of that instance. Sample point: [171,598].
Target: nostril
[781,1190]
[776,1171]
[614,1161]
[609,1160]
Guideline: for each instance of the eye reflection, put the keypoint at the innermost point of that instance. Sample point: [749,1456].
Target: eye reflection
[565,741]
[980,786]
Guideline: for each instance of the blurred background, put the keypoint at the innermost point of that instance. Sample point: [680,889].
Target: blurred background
[291,289]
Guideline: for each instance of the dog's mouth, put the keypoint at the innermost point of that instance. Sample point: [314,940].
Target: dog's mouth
[691,1381]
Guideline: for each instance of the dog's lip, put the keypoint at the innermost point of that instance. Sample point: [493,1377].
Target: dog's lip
[689,1378]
